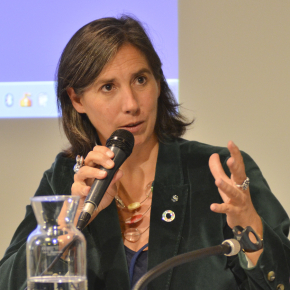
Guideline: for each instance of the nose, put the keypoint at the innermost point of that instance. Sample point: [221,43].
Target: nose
[130,102]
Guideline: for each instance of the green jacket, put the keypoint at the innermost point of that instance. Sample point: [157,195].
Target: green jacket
[182,170]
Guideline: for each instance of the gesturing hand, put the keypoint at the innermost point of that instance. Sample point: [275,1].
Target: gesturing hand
[237,203]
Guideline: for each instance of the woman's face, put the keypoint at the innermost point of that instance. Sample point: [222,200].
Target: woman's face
[124,96]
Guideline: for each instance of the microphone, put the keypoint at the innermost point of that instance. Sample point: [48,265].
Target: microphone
[121,142]
[233,247]
[229,247]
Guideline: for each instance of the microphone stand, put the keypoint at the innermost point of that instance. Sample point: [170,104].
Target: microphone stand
[228,247]
[177,261]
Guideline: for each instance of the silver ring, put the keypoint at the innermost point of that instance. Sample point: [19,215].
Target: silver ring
[245,184]
[79,164]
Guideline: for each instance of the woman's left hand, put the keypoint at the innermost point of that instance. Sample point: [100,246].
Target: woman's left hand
[237,203]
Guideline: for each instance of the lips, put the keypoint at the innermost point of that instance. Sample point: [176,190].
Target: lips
[133,124]
[133,127]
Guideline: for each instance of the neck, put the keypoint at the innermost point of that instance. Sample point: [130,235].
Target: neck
[142,154]
[139,170]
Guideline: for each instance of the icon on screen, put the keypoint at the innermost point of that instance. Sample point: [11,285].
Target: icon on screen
[26,101]
[9,100]
[42,99]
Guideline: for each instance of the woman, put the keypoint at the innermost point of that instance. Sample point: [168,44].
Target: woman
[110,78]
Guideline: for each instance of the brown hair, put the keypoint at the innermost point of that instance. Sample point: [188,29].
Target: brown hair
[82,60]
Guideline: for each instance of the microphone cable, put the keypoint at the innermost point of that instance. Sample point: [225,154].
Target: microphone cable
[224,249]
[228,247]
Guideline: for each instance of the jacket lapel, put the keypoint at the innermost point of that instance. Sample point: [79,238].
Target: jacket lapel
[113,264]
[164,238]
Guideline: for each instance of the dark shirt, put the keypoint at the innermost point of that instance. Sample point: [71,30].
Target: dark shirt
[137,264]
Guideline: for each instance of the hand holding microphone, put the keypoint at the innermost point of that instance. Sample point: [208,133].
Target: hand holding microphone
[119,145]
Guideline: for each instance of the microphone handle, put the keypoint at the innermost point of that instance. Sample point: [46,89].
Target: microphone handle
[99,188]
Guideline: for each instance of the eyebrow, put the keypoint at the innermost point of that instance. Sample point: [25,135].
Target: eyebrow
[142,70]
[134,75]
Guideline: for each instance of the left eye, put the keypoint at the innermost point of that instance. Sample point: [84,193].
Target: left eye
[141,80]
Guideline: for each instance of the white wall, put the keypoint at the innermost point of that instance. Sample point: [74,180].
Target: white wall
[27,148]
[234,79]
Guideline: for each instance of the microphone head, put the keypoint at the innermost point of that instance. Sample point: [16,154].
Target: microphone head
[234,245]
[122,139]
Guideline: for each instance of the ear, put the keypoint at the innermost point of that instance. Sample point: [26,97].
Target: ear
[76,100]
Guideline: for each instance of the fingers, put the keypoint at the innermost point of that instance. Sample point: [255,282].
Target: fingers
[230,194]
[83,179]
[87,172]
[100,156]
[80,189]
[234,212]
[236,164]
[221,179]
[220,208]
[237,204]
[216,167]
[233,196]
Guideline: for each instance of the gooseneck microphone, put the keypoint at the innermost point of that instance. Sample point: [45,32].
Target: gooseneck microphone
[229,247]
[121,142]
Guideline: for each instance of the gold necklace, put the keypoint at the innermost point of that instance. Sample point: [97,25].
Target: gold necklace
[134,205]
[134,234]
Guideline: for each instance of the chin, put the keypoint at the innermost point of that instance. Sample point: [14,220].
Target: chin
[140,140]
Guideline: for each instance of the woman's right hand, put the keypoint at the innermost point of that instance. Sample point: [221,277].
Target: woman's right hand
[84,178]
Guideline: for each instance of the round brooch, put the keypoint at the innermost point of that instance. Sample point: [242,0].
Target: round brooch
[168,216]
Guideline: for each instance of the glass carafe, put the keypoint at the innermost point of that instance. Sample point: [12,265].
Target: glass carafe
[56,249]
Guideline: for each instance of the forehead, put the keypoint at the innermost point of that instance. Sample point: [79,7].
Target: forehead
[128,59]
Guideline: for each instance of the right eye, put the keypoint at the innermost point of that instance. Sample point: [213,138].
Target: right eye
[107,87]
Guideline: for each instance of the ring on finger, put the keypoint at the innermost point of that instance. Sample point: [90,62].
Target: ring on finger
[79,164]
[244,185]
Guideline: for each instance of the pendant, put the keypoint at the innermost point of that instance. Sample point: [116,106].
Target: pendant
[132,235]
[134,219]
[134,206]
